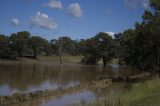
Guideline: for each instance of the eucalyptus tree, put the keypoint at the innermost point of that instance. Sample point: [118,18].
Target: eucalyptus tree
[141,46]
[105,47]
[19,42]
[100,46]
[152,19]
[37,45]
[57,47]
[91,55]
[5,51]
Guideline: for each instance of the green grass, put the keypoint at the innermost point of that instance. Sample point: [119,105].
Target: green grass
[66,59]
[142,94]
[52,59]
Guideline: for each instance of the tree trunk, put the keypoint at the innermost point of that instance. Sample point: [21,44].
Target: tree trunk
[60,52]
[104,61]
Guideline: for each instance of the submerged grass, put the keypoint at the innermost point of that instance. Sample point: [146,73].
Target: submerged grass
[141,94]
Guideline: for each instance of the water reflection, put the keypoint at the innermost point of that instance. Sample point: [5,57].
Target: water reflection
[27,77]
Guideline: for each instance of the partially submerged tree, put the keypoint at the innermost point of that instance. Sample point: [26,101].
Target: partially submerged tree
[105,47]
[91,56]
[100,46]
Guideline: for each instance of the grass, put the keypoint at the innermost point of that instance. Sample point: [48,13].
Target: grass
[66,59]
[53,59]
[142,94]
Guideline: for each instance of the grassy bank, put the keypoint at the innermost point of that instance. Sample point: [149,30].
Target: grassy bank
[54,59]
[141,94]
[66,59]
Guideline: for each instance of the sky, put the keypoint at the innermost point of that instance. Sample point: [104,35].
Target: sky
[78,19]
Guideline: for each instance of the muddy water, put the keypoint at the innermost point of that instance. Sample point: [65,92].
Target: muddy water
[28,77]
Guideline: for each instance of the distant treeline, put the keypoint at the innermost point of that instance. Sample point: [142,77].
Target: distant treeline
[138,47]
[23,44]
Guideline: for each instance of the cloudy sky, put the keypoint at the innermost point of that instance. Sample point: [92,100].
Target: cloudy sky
[74,18]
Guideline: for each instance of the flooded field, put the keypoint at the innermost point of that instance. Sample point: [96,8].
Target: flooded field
[18,77]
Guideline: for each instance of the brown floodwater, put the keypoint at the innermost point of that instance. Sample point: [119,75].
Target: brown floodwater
[18,77]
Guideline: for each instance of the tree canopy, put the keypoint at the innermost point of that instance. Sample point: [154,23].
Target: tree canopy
[141,46]
[100,46]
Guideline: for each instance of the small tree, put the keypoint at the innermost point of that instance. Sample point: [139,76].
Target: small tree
[58,47]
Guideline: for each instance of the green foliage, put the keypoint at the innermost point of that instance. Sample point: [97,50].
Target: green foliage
[18,42]
[68,46]
[141,46]
[37,45]
[155,4]
[5,50]
[22,44]
[100,46]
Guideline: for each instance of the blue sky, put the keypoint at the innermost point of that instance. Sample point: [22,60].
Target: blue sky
[78,19]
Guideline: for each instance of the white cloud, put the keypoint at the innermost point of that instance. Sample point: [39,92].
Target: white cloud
[111,34]
[75,10]
[15,22]
[137,3]
[42,20]
[55,4]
